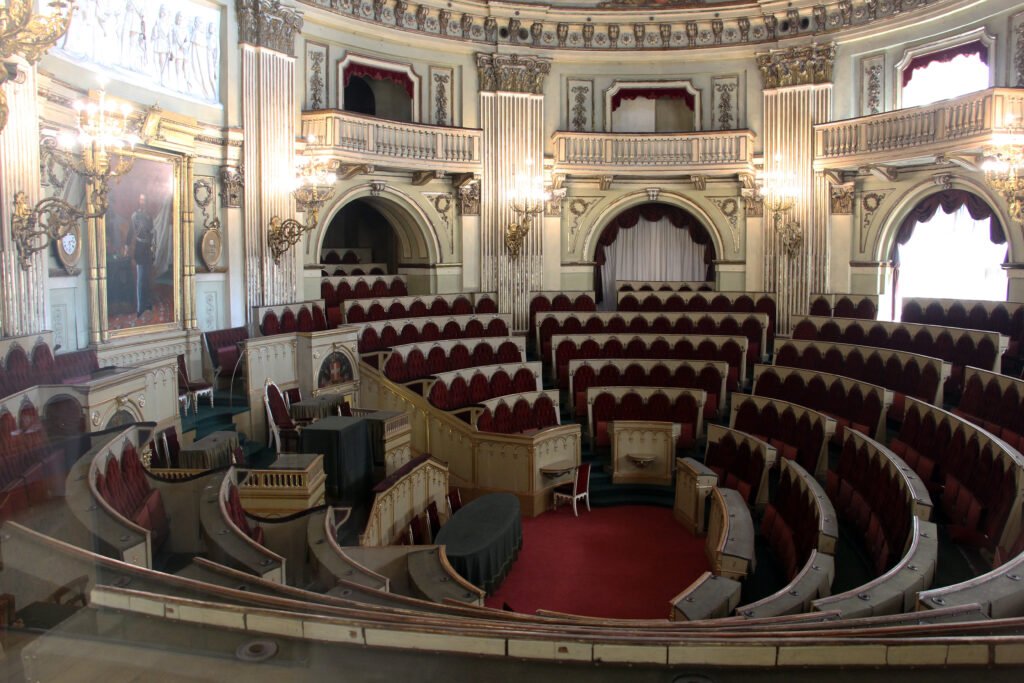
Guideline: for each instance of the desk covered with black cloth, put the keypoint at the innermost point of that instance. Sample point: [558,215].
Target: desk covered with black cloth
[483,538]
[375,423]
[348,458]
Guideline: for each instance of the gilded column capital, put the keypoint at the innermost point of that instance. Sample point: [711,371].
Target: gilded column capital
[512,73]
[269,24]
[802,65]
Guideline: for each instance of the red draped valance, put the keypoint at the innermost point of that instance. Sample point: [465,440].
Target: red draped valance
[378,74]
[653,94]
[950,201]
[652,213]
[973,48]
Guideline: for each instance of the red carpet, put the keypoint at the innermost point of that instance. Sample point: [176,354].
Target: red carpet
[622,562]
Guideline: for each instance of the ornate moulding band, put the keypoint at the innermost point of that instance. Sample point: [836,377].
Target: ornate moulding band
[802,65]
[512,73]
[265,23]
[630,25]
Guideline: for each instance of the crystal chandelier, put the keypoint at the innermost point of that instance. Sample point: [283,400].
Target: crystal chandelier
[1004,167]
[105,148]
[314,185]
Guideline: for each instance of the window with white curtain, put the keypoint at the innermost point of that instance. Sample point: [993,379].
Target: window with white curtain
[942,80]
[952,257]
[650,251]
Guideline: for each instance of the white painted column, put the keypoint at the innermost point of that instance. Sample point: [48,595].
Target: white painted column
[268,120]
[24,305]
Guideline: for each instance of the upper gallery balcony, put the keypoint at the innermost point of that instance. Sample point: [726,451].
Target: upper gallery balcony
[960,126]
[705,153]
[357,139]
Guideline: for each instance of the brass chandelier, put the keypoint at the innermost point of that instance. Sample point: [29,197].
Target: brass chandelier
[529,197]
[106,155]
[314,185]
[28,35]
[778,193]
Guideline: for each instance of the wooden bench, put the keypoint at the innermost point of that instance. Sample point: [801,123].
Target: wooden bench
[994,401]
[422,359]
[353,269]
[1004,317]
[664,286]
[390,307]
[845,305]
[519,413]
[302,316]
[741,462]
[457,389]
[382,334]
[726,302]
[656,404]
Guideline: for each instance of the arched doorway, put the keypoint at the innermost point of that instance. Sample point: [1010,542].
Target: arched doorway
[359,225]
[359,97]
[668,243]
[955,253]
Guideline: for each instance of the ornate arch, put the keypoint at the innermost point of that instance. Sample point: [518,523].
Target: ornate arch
[620,204]
[417,239]
[886,235]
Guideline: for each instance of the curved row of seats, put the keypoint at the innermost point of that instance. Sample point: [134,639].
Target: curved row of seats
[907,374]
[121,481]
[385,334]
[751,325]
[721,302]
[518,413]
[872,489]
[658,404]
[559,301]
[311,319]
[333,256]
[978,478]
[1004,317]
[415,361]
[707,375]
[730,349]
[960,347]
[740,460]
[334,290]
[852,403]
[351,270]
[485,383]
[664,286]
[794,521]
[359,311]
[797,433]
[995,402]
[19,372]
[860,306]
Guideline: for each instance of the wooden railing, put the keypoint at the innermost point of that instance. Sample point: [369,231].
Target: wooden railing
[962,123]
[366,139]
[625,152]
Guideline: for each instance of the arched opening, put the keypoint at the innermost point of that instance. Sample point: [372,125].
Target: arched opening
[359,97]
[358,225]
[669,243]
[955,253]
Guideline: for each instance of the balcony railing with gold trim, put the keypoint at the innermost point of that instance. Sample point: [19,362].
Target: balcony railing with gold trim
[624,153]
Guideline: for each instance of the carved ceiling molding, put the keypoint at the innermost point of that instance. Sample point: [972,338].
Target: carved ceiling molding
[801,65]
[266,23]
[624,24]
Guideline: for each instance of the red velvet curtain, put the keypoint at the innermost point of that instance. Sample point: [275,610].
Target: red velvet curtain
[653,94]
[652,213]
[950,201]
[973,48]
[378,74]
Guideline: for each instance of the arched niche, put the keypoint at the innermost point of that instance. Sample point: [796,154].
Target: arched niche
[415,238]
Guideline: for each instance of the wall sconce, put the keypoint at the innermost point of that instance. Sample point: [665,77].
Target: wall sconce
[528,199]
[106,155]
[29,35]
[314,186]
[778,193]
[1004,167]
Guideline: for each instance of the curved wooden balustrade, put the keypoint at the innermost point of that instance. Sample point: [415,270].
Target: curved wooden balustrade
[226,540]
[730,542]
[331,562]
[700,152]
[998,592]
[812,582]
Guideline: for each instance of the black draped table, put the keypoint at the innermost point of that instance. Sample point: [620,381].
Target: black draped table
[210,452]
[348,460]
[483,538]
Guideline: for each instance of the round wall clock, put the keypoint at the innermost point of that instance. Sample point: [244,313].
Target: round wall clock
[69,248]
[211,248]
